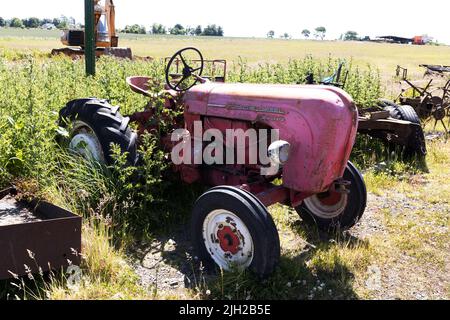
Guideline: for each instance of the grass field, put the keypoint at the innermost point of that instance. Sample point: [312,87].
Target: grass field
[399,250]
[386,57]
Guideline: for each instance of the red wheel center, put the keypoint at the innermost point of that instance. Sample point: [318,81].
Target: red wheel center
[228,240]
[330,198]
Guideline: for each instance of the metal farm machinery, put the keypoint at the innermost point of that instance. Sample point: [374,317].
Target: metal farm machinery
[431,103]
[101,33]
[307,163]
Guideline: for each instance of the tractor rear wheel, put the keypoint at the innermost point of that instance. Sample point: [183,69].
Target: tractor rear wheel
[94,126]
[332,211]
[232,228]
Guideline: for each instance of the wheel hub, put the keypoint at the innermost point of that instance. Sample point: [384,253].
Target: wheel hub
[228,240]
[439,114]
[330,198]
[85,142]
[327,205]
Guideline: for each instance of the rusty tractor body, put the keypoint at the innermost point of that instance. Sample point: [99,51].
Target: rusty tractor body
[316,127]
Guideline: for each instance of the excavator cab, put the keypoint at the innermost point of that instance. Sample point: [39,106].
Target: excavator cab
[107,41]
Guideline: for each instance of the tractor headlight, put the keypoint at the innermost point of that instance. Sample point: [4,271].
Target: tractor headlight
[279,152]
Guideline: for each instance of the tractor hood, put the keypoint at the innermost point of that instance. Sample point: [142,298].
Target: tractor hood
[320,123]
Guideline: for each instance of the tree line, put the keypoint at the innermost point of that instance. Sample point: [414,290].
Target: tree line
[157,28]
[320,33]
[178,29]
[61,23]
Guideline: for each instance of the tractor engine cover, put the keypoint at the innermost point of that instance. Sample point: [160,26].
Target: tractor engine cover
[319,122]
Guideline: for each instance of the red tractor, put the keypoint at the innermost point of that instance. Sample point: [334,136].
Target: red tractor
[306,166]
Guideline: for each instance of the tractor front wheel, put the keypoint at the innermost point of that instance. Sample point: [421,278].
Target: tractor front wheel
[331,211]
[232,228]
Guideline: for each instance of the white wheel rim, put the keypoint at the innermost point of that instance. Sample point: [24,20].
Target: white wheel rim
[221,229]
[325,211]
[84,142]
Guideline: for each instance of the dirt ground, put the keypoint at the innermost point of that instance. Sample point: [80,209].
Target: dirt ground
[169,263]
[401,275]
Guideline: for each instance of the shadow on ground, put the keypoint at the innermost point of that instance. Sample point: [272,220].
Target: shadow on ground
[168,265]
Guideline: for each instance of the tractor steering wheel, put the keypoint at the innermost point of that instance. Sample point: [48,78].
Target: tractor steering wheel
[189,76]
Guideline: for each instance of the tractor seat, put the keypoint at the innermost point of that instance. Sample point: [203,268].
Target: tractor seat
[140,84]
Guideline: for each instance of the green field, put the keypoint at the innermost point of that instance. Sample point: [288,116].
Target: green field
[135,243]
[386,57]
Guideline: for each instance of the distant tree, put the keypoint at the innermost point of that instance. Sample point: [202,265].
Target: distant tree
[31,22]
[306,33]
[210,30]
[190,31]
[56,21]
[135,29]
[351,36]
[2,22]
[198,31]
[16,23]
[271,34]
[213,30]
[178,29]
[45,21]
[320,32]
[61,23]
[158,28]
[286,36]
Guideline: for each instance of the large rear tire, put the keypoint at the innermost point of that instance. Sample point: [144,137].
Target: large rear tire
[94,126]
[402,112]
[332,211]
[416,143]
[231,228]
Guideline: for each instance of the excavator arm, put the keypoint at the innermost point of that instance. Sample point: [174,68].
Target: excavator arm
[111,20]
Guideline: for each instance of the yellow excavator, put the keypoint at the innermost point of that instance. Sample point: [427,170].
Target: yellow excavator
[107,41]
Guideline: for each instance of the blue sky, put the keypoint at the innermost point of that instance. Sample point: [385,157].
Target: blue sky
[257,17]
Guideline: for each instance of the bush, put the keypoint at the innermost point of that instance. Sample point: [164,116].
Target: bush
[363,85]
